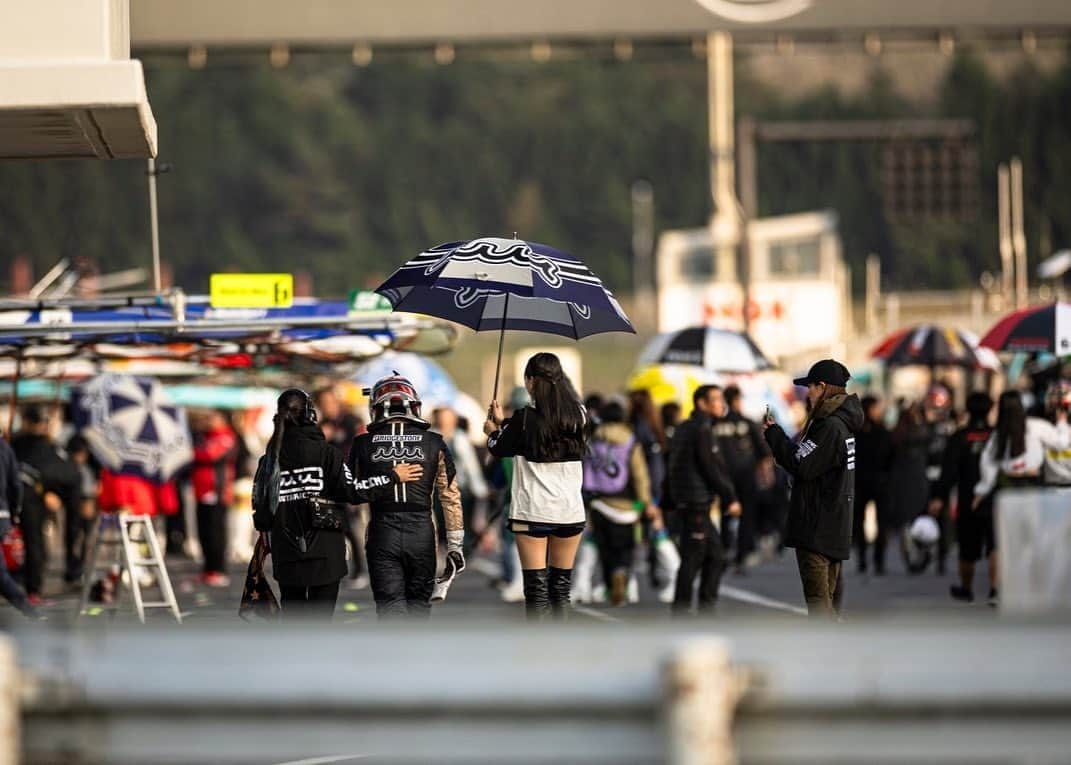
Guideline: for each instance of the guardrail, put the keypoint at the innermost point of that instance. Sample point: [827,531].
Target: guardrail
[980,690]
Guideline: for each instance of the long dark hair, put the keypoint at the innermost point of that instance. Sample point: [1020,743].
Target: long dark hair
[294,409]
[561,417]
[1011,425]
[641,408]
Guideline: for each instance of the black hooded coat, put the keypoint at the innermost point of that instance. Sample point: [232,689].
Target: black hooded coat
[822,465]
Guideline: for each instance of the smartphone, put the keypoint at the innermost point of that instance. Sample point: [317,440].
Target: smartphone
[769,415]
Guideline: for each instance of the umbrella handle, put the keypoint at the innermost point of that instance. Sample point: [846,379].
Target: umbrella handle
[501,340]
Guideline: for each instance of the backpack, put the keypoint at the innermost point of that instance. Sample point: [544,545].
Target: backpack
[266,483]
[606,467]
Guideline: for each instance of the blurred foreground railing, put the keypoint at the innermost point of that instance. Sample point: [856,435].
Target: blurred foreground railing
[488,692]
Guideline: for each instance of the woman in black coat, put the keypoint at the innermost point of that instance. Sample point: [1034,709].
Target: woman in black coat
[307,545]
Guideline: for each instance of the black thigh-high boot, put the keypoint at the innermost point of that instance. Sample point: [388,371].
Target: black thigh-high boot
[536,599]
[559,583]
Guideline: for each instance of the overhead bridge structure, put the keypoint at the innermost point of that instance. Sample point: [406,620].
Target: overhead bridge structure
[157,24]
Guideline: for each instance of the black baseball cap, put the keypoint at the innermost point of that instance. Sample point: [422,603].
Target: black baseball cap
[826,371]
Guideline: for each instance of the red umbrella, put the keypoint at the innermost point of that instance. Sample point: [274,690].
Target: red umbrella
[1041,329]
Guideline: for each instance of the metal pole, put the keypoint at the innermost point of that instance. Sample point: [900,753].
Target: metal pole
[642,242]
[153,221]
[873,291]
[14,405]
[1004,227]
[1022,285]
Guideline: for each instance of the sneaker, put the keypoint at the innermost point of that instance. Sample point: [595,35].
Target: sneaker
[514,591]
[961,593]
[215,579]
[34,600]
[994,598]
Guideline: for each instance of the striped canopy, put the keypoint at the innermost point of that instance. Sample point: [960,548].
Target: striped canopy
[497,284]
[930,345]
[1041,329]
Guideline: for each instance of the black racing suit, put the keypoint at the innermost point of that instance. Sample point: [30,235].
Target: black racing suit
[696,477]
[401,533]
[960,471]
[939,433]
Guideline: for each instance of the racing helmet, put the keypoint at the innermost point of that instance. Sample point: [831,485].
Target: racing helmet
[1058,396]
[394,397]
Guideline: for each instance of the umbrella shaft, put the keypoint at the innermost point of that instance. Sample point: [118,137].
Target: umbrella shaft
[501,340]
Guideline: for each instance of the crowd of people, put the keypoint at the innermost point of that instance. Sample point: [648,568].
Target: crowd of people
[581,498]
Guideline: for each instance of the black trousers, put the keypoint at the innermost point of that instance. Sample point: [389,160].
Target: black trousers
[615,542]
[300,603]
[401,563]
[701,554]
[747,494]
[33,537]
[212,530]
[76,531]
[866,492]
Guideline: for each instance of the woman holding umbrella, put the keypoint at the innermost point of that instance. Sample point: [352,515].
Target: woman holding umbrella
[547,442]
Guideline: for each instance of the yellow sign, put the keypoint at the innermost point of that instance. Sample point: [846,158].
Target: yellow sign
[251,290]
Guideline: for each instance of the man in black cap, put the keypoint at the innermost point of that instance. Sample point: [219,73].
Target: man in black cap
[822,464]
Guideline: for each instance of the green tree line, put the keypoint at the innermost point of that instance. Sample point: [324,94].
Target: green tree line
[344,172]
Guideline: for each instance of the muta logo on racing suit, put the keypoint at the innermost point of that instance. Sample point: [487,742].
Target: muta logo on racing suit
[398,453]
[300,483]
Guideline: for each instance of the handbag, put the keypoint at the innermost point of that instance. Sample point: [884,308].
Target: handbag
[326,515]
[258,599]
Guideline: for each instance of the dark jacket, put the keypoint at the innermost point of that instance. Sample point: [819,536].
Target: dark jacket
[51,469]
[960,469]
[822,465]
[10,488]
[697,473]
[741,444]
[873,454]
[397,440]
[311,468]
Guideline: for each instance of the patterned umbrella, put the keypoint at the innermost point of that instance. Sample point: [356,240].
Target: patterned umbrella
[929,345]
[1041,329]
[716,350]
[500,284]
[132,427]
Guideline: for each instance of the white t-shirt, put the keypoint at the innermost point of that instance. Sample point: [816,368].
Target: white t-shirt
[1040,436]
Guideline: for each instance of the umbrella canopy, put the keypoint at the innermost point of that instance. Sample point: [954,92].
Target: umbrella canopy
[930,345]
[500,284]
[716,350]
[1041,329]
[132,427]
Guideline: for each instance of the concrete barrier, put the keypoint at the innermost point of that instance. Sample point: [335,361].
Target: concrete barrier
[1034,539]
[981,690]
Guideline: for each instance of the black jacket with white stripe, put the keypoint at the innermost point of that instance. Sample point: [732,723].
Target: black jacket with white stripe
[822,465]
[396,440]
[311,468]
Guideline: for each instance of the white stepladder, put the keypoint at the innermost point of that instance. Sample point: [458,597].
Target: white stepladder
[120,530]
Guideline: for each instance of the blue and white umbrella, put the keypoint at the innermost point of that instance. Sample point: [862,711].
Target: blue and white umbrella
[500,284]
[131,426]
